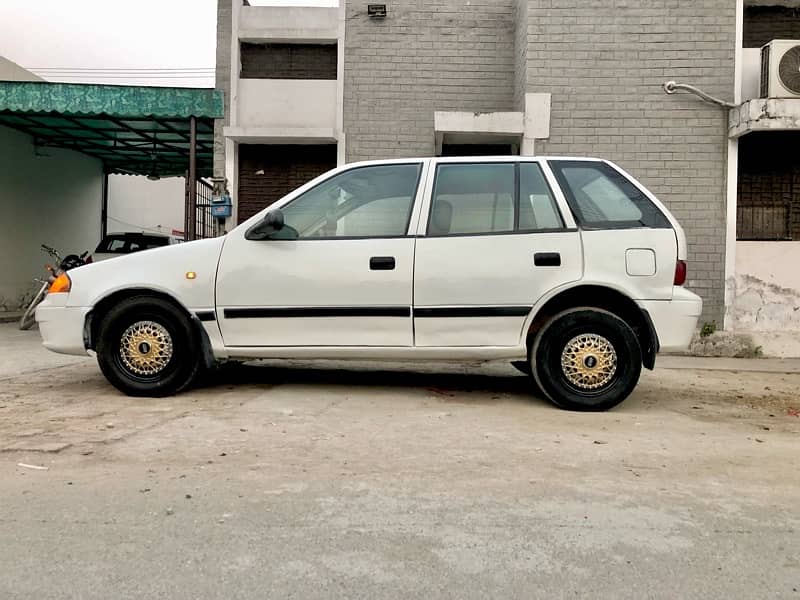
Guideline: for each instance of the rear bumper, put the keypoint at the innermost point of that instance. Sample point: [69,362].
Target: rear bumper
[61,328]
[675,320]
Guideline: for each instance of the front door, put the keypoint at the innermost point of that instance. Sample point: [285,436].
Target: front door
[495,243]
[339,273]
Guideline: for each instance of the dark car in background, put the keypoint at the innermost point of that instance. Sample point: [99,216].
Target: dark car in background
[115,244]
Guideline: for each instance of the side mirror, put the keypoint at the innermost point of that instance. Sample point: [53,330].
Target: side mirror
[271,224]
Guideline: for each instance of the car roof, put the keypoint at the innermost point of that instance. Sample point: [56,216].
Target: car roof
[134,234]
[470,159]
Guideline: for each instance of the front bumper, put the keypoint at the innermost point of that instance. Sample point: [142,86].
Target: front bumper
[675,320]
[61,327]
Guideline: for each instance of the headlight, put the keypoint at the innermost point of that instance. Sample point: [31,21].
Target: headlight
[61,285]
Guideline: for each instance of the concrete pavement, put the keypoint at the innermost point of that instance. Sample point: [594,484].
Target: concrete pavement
[322,479]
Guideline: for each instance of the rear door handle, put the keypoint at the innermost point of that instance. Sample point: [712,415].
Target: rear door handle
[381,263]
[547,259]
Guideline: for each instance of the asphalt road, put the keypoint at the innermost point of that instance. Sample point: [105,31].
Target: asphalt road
[321,480]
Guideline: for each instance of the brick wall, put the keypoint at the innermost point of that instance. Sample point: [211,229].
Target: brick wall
[765,23]
[426,55]
[267,173]
[520,53]
[223,80]
[288,61]
[604,62]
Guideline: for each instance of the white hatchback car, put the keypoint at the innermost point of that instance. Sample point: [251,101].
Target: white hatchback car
[568,267]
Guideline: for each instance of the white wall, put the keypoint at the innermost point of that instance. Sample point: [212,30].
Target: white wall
[284,103]
[287,23]
[53,199]
[751,73]
[137,204]
[11,71]
[766,295]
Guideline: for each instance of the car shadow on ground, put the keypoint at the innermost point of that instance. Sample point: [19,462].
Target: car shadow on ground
[446,383]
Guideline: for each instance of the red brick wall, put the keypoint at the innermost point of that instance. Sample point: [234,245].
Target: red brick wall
[267,173]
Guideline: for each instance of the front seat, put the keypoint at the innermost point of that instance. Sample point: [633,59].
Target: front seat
[441,218]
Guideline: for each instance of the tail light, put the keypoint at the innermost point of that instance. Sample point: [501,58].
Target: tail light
[88,260]
[680,272]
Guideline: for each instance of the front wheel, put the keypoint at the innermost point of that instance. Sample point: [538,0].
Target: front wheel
[148,347]
[586,359]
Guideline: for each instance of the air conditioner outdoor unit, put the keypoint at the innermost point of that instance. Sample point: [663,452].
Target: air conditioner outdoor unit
[780,69]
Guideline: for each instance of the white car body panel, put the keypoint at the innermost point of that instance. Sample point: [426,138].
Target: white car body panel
[159,269]
[486,271]
[494,271]
[308,274]
[608,260]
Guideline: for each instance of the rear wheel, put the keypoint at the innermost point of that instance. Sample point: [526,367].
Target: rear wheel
[147,347]
[586,359]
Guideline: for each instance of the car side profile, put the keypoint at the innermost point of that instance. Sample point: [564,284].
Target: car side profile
[567,267]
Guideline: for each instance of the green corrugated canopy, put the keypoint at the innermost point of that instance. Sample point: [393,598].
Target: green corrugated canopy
[131,129]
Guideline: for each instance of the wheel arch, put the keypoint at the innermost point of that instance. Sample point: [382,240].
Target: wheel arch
[91,326]
[603,297]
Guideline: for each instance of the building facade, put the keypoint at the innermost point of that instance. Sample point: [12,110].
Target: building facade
[310,88]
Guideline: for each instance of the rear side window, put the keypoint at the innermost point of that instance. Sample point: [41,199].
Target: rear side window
[537,207]
[473,198]
[602,197]
[485,198]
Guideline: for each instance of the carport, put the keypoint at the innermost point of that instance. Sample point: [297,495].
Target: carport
[134,130]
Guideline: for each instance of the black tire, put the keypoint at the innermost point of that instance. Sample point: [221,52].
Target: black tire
[601,355]
[167,357]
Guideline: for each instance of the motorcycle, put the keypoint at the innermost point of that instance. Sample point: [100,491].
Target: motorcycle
[61,265]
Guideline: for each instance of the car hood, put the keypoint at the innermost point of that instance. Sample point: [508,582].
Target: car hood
[159,269]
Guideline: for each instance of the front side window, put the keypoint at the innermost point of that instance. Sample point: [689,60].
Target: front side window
[601,196]
[472,198]
[374,201]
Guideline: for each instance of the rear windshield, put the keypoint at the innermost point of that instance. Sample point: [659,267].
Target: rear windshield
[602,197]
[124,244]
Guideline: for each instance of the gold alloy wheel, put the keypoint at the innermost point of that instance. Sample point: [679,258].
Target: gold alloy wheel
[145,348]
[589,361]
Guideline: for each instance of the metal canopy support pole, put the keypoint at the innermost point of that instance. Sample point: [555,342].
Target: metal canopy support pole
[192,216]
[104,207]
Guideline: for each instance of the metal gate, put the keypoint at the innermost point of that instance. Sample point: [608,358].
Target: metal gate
[204,225]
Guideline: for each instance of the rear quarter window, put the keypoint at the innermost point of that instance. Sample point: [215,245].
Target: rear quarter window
[601,197]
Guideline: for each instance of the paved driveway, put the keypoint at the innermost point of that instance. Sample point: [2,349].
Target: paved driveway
[319,480]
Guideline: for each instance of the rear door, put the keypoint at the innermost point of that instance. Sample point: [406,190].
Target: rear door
[627,239]
[494,242]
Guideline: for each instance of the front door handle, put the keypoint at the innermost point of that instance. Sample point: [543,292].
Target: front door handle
[381,263]
[547,259]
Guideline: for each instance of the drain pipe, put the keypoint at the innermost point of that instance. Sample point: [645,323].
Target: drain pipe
[670,87]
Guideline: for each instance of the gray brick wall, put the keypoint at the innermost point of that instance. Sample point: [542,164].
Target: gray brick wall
[427,55]
[223,79]
[604,62]
[520,53]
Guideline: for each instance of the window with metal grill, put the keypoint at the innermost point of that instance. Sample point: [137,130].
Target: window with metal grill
[768,191]
[288,61]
